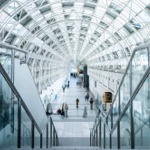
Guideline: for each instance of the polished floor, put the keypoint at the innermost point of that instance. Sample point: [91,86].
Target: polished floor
[75,129]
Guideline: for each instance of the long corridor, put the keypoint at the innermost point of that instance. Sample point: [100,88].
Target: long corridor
[75,129]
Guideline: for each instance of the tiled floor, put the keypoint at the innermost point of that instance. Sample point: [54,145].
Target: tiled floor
[74,130]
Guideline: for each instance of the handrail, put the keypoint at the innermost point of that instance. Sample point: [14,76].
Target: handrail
[130,100]
[133,53]
[132,96]
[17,95]
[11,85]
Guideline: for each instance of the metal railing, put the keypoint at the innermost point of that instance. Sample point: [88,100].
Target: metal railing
[20,118]
[108,128]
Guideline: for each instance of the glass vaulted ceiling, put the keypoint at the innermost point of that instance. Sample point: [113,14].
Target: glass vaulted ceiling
[100,33]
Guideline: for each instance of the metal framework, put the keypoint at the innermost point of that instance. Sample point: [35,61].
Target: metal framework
[55,33]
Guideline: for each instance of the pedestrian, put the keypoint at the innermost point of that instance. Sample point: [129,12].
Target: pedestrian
[77,103]
[87,97]
[68,83]
[91,103]
[63,109]
[66,110]
[49,110]
[58,111]
[85,112]
[63,87]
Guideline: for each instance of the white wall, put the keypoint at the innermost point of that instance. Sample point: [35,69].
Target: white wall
[27,89]
[106,82]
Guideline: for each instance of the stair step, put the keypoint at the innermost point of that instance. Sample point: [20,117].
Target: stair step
[57,148]
[75,148]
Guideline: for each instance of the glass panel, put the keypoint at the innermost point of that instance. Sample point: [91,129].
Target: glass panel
[44,138]
[115,109]
[5,60]
[139,66]
[102,135]
[125,137]
[25,128]
[107,143]
[114,139]
[14,120]
[36,138]
[109,121]
[125,91]
[98,141]
[8,115]
[141,109]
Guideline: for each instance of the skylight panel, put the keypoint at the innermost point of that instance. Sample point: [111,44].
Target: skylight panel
[20,15]
[20,30]
[129,28]
[26,21]
[33,15]
[144,16]
[88,12]
[48,15]
[3,16]
[117,36]
[116,7]
[136,24]
[107,18]
[97,34]
[67,4]
[51,21]
[103,25]
[93,1]
[86,18]
[12,7]
[45,10]
[123,32]
[41,2]
[89,6]
[99,11]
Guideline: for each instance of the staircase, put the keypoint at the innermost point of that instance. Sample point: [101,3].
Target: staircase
[64,148]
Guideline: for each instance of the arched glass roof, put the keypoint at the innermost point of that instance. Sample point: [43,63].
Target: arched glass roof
[100,33]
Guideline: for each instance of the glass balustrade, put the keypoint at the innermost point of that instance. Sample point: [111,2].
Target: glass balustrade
[107,138]
[114,139]
[129,117]
[12,126]
[141,112]
[36,138]
[8,115]
[25,128]
[5,60]
[125,131]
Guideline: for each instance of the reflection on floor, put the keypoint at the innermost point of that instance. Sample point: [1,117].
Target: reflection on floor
[74,130]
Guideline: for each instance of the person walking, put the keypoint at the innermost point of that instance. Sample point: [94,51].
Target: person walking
[91,103]
[63,87]
[66,110]
[63,109]
[85,112]
[87,97]
[77,103]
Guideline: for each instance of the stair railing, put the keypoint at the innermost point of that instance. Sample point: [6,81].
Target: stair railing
[107,119]
[19,118]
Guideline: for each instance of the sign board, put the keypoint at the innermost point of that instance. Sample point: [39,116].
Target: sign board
[107,97]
